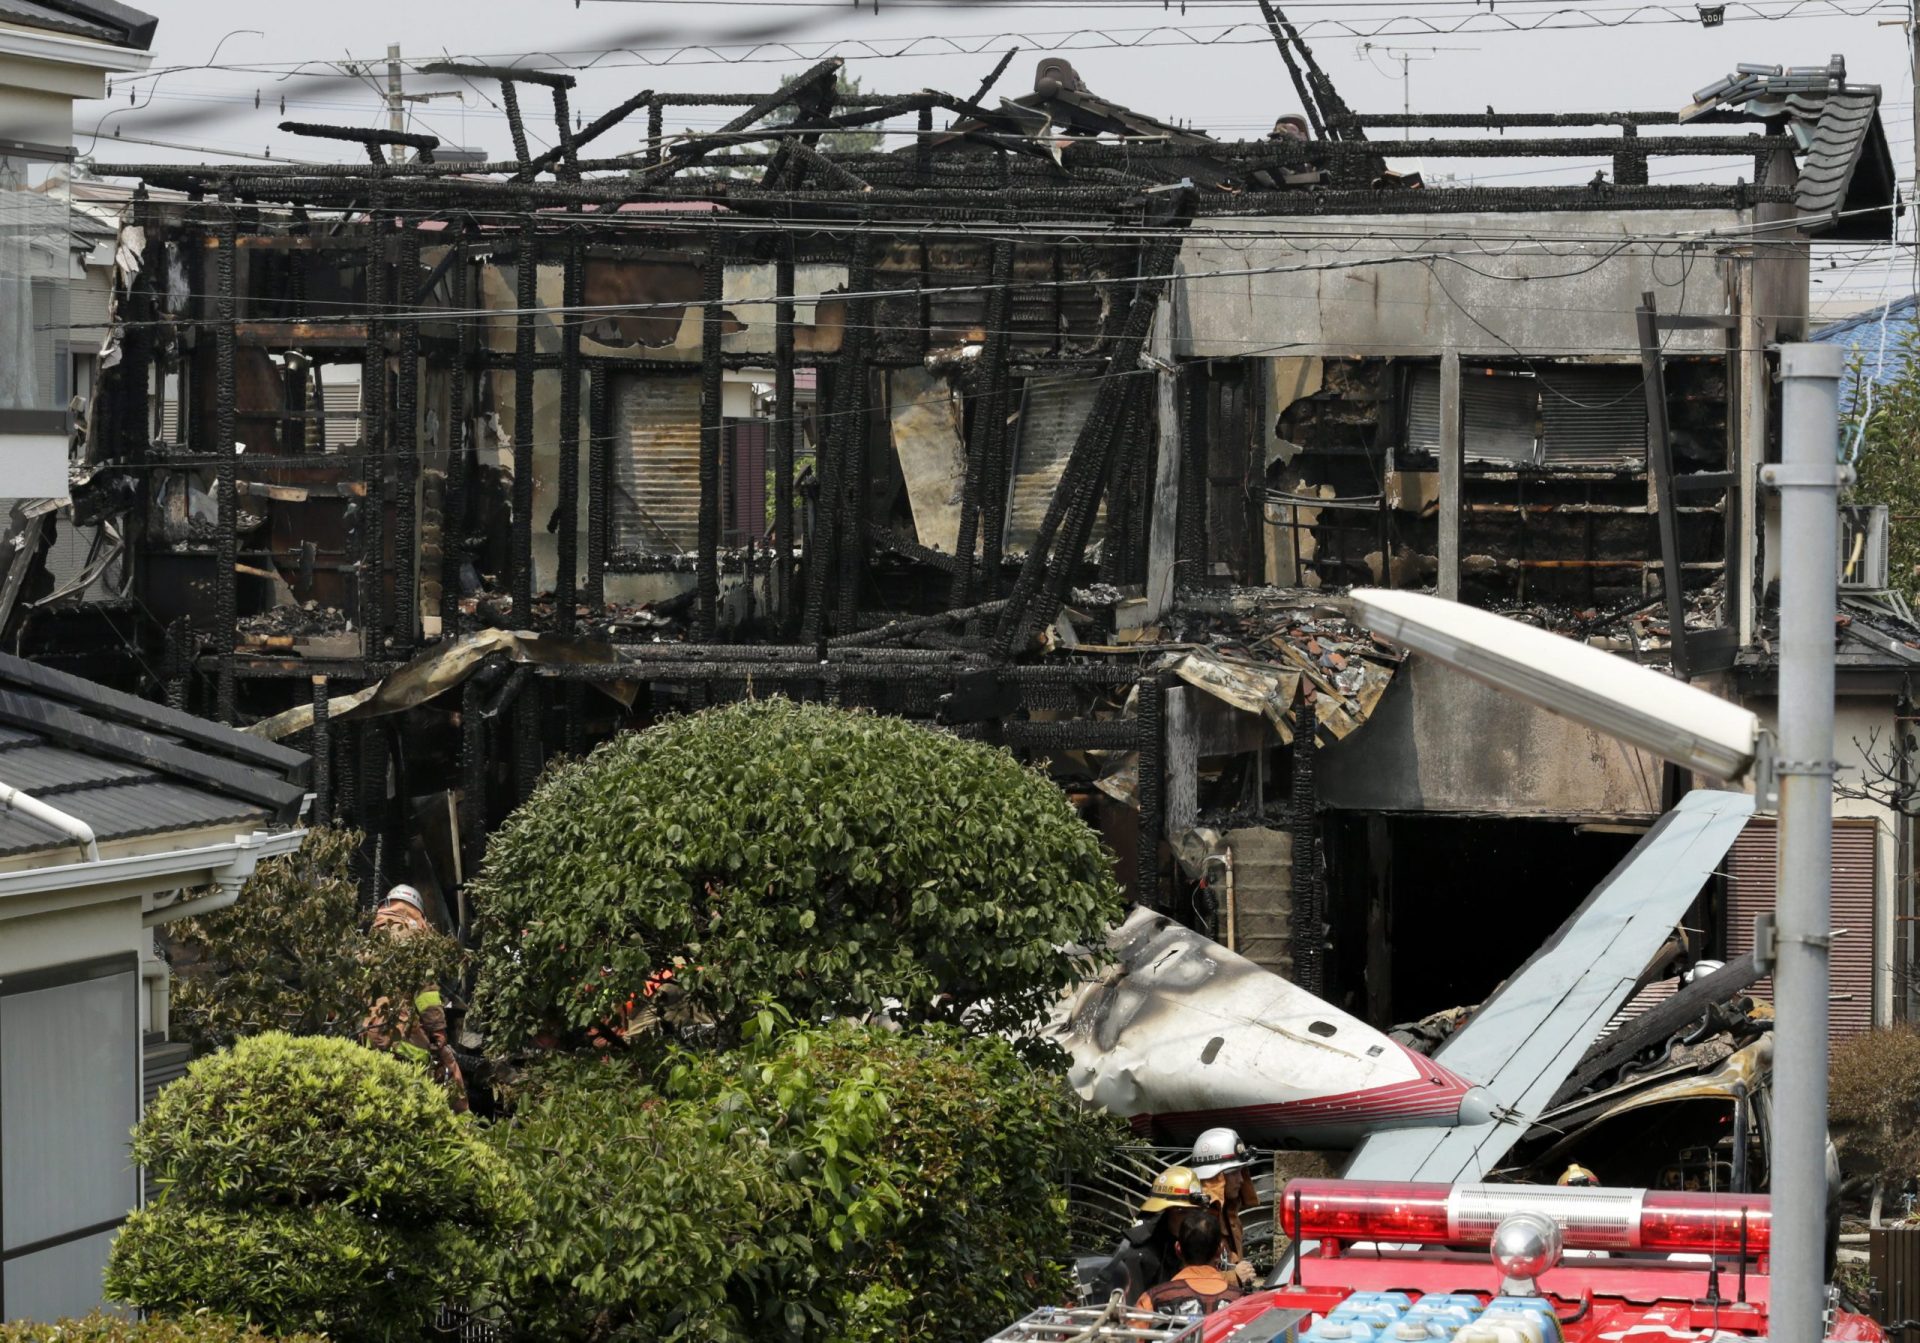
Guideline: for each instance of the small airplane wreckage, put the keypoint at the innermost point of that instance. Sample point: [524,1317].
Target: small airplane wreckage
[1185,1034]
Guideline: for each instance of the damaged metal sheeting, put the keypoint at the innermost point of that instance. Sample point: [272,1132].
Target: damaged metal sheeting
[928,440]
[1252,687]
[434,673]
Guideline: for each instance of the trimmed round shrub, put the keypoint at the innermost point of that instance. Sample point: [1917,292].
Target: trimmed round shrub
[308,1183]
[101,1328]
[835,862]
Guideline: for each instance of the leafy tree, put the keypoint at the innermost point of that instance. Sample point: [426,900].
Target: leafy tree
[311,1184]
[830,861]
[833,142]
[818,1185]
[291,953]
[103,1328]
[1889,460]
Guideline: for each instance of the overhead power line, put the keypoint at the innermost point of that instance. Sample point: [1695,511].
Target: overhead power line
[1405,20]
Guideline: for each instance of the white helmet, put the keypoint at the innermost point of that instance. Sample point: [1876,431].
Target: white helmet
[1218,1150]
[405,895]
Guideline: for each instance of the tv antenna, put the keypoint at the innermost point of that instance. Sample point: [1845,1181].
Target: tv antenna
[1406,56]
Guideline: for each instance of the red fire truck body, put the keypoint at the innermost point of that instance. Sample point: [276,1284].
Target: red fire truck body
[1385,1262]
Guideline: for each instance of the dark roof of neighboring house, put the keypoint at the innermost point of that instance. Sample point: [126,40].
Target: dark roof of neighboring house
[103,20]
[1847,173]
[129,767]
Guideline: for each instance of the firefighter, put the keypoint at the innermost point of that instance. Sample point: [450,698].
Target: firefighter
[417,1031]
[1221,1160]
[1199,1288]
[1145,1257]
[1577,1176]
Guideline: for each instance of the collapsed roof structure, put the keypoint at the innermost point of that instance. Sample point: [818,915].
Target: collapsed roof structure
[1063,425]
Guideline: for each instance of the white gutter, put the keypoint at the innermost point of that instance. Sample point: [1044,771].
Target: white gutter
[71,826]
[226,865]
[247,854]
[42,44]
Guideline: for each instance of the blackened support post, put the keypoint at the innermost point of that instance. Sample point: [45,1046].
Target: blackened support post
[1190,566]
[568,539]
[784,429]
[404,617]
[1308,915]
[226,617]
[599,459]
[372,559]
[527,277]
[853,528]
[1452,469]
[472,809]
[987,431]
[516,125]
[1660,464]
[322,754]
[707,577]
[453,512]
[1150,712]
[1062,538]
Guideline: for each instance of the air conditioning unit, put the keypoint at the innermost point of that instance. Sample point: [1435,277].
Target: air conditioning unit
[1863,547]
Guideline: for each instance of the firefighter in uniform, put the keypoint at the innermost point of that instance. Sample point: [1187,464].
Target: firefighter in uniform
[1222,1161]
[417,1030]
[1199,1288]
[1146,1257]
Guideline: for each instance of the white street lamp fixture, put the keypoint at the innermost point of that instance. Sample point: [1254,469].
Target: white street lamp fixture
[1657,713]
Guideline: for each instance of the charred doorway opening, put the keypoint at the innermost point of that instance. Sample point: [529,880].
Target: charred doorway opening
[1433,912]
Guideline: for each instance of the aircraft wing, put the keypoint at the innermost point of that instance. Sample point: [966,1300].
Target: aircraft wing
[1532,1032]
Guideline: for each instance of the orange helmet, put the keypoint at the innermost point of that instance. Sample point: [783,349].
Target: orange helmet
[1577,1175]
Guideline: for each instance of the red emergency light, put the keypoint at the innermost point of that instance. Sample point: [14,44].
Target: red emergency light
[1397,1212]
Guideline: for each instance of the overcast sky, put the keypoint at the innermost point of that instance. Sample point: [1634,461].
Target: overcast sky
[1145,54]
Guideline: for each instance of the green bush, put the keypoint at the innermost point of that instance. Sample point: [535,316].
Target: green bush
[1873,1103]
[311,1184]
[113,1329]
[832,861]
[292,954]
[822,1185]
[643,1212]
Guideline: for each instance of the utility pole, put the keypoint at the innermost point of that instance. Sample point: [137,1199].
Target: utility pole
[1808,478]
[398,98]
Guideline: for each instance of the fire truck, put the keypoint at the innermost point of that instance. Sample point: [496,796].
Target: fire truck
[1400,1262]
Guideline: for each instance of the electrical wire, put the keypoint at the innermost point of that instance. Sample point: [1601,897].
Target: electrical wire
[1517,18]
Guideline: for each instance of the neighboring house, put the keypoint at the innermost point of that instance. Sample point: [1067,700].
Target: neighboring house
[116,815]
[53,53]
[1877,337]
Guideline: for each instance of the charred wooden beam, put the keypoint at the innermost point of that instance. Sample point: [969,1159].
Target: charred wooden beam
[784,429]
[225,612]
[404,617]
[707,577]
[527,299]
[567,520]
[599,474]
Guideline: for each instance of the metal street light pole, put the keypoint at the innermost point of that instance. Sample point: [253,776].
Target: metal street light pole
[1808,479]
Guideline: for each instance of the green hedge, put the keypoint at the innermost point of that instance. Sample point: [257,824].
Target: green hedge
[833,861]
[818,1186]
[102,1328]
[311,1184]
